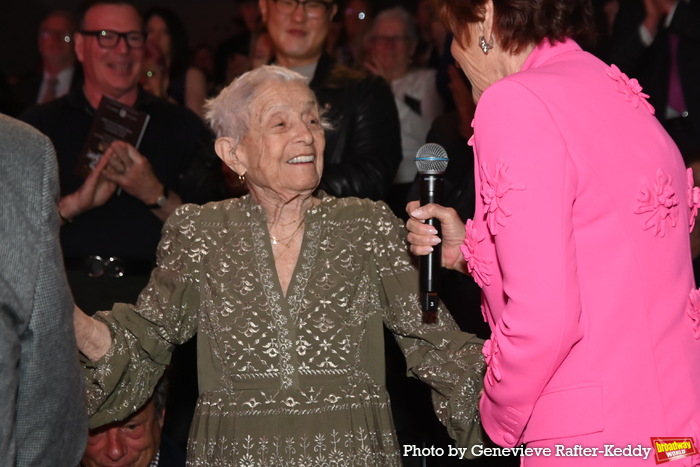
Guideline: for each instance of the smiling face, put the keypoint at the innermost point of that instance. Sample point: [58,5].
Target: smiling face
[112,72]
[298,39]
[282,153]
[391,47]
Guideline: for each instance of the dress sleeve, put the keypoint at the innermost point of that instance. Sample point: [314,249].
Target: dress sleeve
[144,335]
[439,354]
[528,187]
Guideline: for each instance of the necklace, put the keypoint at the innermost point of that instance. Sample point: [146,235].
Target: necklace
[290,237]
[285,224]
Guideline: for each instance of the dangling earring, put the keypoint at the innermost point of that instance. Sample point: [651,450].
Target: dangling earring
[485,46]
[241,179]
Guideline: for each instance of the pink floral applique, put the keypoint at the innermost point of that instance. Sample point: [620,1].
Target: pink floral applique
[630,88]
[493,191]
[660,203]
[694,312]
[479,268]
[490,351]
[693,197]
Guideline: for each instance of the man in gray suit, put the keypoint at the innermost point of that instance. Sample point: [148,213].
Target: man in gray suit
[42,417]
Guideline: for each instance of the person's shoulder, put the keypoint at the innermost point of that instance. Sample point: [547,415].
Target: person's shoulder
[18,134]
[356,208]
[214,213]
[12,127]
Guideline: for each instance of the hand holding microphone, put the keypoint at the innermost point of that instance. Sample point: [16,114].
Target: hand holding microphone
[431,162]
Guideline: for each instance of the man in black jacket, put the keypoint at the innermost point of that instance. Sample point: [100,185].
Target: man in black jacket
[364,149]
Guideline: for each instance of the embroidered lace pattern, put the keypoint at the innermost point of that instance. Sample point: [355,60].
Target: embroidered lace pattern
[295,379]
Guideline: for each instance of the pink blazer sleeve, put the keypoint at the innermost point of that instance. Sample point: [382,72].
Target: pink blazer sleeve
[528,186]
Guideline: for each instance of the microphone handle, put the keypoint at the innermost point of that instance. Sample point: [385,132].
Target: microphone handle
[430,264]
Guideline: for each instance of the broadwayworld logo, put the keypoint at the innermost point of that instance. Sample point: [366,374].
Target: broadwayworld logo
[670,449]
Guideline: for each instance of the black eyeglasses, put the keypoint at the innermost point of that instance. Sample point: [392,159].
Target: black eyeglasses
[312,8]
[109,39]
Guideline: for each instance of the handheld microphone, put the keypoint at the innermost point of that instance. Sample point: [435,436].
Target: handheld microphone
[431,161]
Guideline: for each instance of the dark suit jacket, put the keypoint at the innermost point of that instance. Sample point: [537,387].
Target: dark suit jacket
[42,417]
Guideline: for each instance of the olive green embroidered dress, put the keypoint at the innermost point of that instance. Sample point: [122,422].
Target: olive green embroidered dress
[295,380]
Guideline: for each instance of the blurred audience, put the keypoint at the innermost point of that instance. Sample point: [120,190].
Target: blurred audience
[346,44]
[231,58]
[203,58]
[154,78]
[187,85]
[262,50]
[364,148]
[431,35]
[658,43]
[58,71]
[392,41]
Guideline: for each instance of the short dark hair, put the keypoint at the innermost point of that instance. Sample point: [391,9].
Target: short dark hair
[518,23]
[87,4]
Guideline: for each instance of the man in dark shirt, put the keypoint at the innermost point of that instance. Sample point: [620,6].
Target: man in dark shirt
[363,150]
[111,229]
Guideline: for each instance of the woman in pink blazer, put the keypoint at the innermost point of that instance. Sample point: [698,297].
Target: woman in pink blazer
[579,242]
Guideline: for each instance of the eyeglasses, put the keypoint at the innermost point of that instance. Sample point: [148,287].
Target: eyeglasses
[109,39]
[312,8]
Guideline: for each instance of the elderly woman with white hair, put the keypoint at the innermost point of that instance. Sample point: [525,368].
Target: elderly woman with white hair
[287,290]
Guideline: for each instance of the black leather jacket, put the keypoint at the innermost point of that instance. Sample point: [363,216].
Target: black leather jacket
[364,149]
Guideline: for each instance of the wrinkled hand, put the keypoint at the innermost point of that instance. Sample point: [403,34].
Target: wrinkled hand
[422,237]
[132,172]
[92,336]
[94,192]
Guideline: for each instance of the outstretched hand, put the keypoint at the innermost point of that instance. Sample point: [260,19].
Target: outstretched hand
[422,237]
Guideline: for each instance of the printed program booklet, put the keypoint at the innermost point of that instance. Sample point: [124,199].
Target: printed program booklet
[113,121]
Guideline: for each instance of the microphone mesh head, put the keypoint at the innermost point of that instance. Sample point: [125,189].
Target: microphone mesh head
[431,158]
